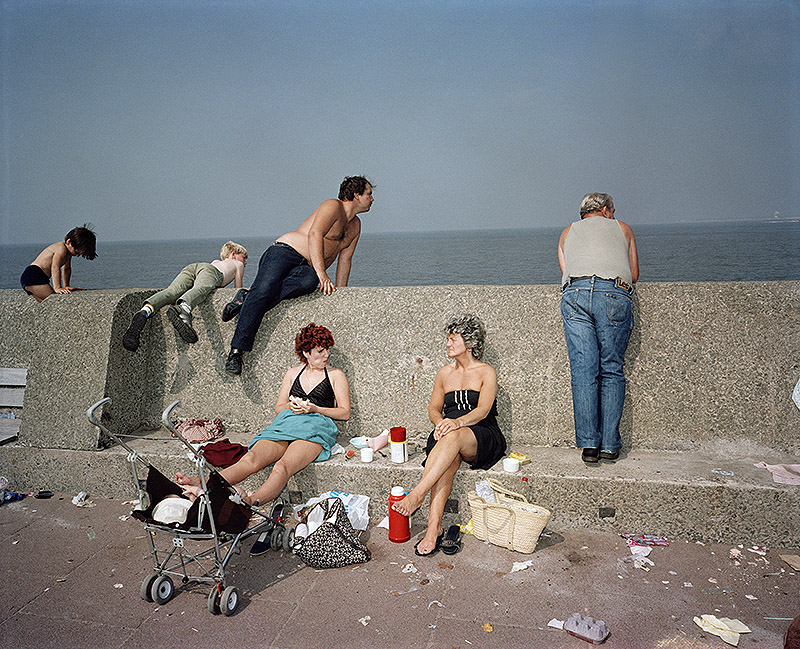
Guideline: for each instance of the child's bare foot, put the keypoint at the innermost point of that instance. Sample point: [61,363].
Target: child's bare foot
[430,542]
[184,480]
[408,505]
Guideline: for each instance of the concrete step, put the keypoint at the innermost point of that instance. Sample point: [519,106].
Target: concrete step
[714,494]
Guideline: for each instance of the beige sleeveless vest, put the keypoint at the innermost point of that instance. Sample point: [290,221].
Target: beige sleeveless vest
[596,246]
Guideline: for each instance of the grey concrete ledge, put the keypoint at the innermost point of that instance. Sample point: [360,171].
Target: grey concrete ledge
[673,494]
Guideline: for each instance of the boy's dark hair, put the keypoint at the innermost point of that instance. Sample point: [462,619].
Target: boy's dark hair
[83,240]
[351,186]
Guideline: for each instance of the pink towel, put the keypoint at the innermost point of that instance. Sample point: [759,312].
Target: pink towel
[200,430]
[782,473]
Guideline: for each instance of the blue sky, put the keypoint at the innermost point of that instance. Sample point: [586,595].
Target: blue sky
[188,118]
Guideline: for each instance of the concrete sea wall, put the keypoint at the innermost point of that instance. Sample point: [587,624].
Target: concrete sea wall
[706,362]
[710,369]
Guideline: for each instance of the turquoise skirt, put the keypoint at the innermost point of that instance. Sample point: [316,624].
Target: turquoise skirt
[312,427]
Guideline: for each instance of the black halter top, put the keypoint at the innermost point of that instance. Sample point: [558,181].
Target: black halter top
[322,394]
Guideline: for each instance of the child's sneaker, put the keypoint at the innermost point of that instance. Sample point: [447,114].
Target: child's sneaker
[182,322]
[232,308]
[130,340]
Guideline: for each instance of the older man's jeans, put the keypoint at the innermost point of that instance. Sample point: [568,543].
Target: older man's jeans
[283,273]
[598,319]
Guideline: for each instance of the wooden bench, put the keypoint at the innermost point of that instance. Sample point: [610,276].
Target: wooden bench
[12,392]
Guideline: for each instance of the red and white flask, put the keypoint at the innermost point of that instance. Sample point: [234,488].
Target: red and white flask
[399,525]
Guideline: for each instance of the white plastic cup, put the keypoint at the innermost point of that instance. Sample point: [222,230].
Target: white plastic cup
[366,454]
[510,465]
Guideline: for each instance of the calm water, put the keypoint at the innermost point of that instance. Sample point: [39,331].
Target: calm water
[731,251]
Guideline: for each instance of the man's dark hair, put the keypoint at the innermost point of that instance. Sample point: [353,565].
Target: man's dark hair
[351,186]
[83,240]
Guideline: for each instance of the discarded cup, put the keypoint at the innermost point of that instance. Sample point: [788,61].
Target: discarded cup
[510,464]
[366,454]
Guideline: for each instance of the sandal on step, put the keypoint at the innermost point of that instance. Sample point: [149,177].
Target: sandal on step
[451,543]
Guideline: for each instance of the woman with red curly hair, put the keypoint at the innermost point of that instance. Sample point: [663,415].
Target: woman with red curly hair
[312,395]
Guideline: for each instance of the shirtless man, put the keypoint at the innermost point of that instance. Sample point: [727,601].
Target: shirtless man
[298,261]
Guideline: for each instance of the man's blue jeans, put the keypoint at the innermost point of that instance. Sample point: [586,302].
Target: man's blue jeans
[598,319]
[283,273]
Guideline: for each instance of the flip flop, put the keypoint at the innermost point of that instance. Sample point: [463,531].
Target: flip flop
[451,543]
[432,552]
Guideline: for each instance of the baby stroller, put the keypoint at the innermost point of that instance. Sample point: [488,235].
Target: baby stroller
[217,522]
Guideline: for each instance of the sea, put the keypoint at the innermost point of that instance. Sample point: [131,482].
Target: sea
[678,252]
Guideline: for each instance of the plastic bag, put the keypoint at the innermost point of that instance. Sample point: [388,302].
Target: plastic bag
[484,490]
[356,506]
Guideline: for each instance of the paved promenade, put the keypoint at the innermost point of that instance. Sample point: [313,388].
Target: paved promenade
[71,578]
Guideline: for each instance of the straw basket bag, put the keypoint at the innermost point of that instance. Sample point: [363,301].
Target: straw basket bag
[512,522]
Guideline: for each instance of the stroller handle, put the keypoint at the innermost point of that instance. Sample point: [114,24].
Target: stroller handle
[90,412]
[166,420]
[166,415]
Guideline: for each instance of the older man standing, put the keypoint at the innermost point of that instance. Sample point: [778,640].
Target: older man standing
[599,266]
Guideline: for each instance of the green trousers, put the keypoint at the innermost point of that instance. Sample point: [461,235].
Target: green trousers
[192,285]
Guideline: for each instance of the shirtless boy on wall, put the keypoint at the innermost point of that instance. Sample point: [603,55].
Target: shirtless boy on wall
[298,261]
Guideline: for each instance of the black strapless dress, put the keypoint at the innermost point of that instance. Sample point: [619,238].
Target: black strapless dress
[491,443]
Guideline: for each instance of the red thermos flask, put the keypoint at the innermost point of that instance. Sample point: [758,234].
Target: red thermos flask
[399,527]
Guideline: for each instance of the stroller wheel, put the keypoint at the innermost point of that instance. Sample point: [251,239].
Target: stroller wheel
[288,540]
[229,600]
[162,590]
[146,586]
[276,540]
[213,600]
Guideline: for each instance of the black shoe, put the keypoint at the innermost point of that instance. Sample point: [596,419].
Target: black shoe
[590,455]
[234,363]
[605,455]
[232,308]
[182,323]
[261,544]
[130,340]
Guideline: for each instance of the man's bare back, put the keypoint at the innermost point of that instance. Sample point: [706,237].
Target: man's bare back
[339,234]
[331,231]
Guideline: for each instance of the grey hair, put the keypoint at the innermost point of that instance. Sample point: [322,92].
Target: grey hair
[471,329]
[595,202]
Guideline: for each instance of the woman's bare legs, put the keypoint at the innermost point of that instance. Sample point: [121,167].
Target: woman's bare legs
[263,453]
[299,454]
[439,493]
[461,444]
[440,470]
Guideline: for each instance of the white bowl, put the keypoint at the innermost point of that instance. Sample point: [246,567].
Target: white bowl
[360,442]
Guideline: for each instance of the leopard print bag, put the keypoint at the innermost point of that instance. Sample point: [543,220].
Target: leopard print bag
[334,543]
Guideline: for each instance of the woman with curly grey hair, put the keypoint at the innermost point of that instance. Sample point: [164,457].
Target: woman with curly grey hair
[463,410]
